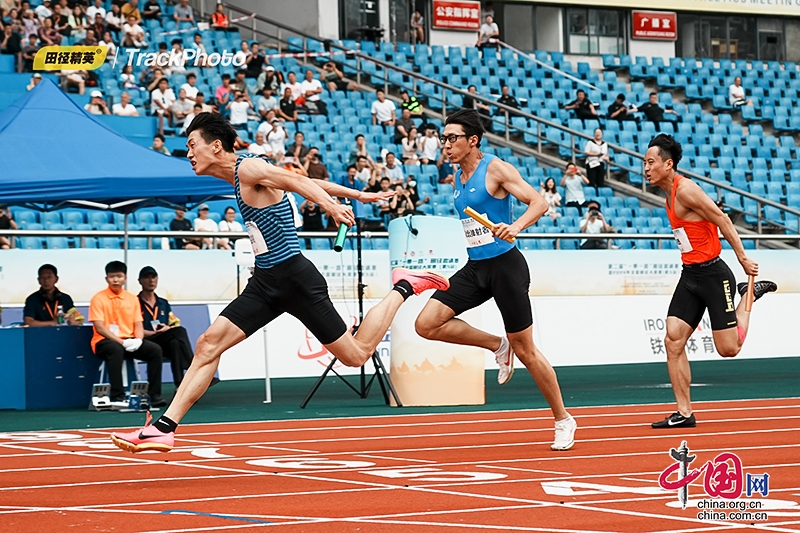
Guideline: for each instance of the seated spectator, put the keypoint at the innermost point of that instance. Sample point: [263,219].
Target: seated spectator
[314,166]
[288,162]
[410,147]
[179,223]
[383,110]
[98,26]
[400,204]
[312,90]
[287,110]
[229,224]
[266,103]
[201,54]
[402,126]
[132,34]
[30,25]
[158,144]
[124,108]
[360,149]
[270,79]
[312,218]
[363,170]
[223,93]
[255,62]
[619,110]
[152,10]
[43,11]
[351,180]
[296,88]
[203,223]
[201,100]
[77,23]
[506,99]
[298,149]
[384,185]
[582,106]
[412,104]
[416,201]
[29,52]
[111,47]
[483,110]
[175,67]
[393,171]
[128,79]
[131,9]
[11,44]
[161,100]
[652,111]
[219,20]
[243,54]
[334,78]
[6,222]
[90,39]
[260,146]
[447,173]
[36,79]
[276,135]
[118,333]
[736,95]
[552,197]
[189,87]
[183,13]
[573,182]
[48,34]
[594,222]
[114,19]
[488,31]
[181,108]
[74,78]
[97,106]
[429,147]
[239,108]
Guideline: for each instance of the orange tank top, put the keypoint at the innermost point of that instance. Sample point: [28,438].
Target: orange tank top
[698,240]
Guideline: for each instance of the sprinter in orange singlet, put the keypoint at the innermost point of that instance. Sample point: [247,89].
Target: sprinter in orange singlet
[706,281]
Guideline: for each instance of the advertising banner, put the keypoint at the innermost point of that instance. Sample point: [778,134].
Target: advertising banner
[456,15]
[655,25]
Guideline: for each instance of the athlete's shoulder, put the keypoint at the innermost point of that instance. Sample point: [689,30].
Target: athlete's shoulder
[252,166]
[503,168]
[688,192]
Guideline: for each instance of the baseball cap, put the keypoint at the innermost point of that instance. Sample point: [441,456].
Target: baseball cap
[96,94]
[147,271]
[203,207]
[37,76]
[270,68]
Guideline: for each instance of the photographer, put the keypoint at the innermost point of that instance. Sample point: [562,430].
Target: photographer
[314,167]
[573,181]
[401,204]
[334,78]
[594,222]
[239,108]
[6,222]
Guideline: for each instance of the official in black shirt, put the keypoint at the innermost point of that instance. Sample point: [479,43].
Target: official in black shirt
[619,111]
[42,307]
[583,106]
[652,111]
[506,99]
[181,224]
[6,222]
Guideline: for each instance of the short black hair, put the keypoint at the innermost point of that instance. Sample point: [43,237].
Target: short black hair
[48,266]
[351,166]
[230,208]
[403,92]
[579,91]
[241,71]
[159,136]
[385,178]
[570,164]
[359,158]
[115,267]
[668,148]
[654,94]
[470,121]
[191,75]
[213,126]
[621,97]
[390,153]
[471,86]
[359,135]
[226,76]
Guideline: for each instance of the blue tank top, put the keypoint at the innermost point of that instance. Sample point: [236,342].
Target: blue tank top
[271,229]
[481,244]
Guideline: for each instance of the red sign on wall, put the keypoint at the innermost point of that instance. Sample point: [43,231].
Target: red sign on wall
[457,15]
[655,25]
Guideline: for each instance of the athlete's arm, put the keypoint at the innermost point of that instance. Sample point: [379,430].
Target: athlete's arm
[510,179]
[345,192]
[694,198]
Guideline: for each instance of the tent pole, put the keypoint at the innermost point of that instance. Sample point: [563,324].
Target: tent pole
[125,246]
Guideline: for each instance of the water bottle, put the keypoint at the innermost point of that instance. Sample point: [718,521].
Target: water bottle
[60,317]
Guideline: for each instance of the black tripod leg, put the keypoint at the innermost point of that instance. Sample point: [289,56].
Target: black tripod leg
[383,375]
[318,384]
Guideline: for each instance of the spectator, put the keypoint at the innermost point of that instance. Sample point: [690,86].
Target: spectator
[652,111]
[417,28]
[111,47]
[223,93]
[552,197]
[429,146]
[176,67]
[219,20]
[393,171]
[447,173]
[416,201]
[114,19]
[29,52]
[383,110]
[162,327]
[152,10]
[411,103]
[189,87]
[334,78]
[12,44]
[6,222]
[43,11]
[312,90]
[239,109]
[183,13]
[489,30]
[205,224]
[97,106]
[277,136]
[201,100]
[400,204]
[161,100]
[229,224]
[128,79]
[314,167]
[619,110]
[583,107]
[179,223]
[483,109]
[201,54]
[124,108]
[736,95]
[596,151]
[594,223]
[118,333]
[312,218]
[90,39]
[131,9]
[196,110]
[402,126]
[48,306]
[363,172]
[296,88]
[181,108]
[255,62]
[298,149]
[149,76]
[270,79]
[260,146]
[36,79]
[351,180]
[60,20]
[266,103]
[506,99]
[158,144]
[48,34]
[98,26]
[410,147]
[30,25]
[291,164]
[74,78]
[287,110]
[385,206]
[360,149]
[133,34]
[243,54]
[573,182]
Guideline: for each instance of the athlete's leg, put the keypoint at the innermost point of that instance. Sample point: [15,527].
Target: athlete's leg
[437,322]
[680,372]
[542,372]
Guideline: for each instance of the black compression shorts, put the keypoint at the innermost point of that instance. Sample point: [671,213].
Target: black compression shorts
[505,277]
[295,287]
[704,286]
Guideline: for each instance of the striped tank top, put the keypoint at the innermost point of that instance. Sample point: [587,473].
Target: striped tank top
[271,229]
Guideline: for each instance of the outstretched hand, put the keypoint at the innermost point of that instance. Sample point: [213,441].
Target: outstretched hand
[368,197]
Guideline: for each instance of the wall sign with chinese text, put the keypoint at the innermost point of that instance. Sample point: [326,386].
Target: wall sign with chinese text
[655,25]
[457,15]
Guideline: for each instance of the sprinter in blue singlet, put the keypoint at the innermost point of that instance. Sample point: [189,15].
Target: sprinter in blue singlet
[496,268]
[284,281]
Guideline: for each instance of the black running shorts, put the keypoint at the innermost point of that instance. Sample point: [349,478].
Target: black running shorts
[295,287]
[505,277]
[704,286]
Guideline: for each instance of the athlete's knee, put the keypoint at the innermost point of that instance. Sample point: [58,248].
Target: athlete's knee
[674,344]
[728,350]
[207,347]
[425,327]
[355,357]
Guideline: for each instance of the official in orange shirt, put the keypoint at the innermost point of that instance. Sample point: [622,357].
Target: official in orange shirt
[706,281]
[118,333]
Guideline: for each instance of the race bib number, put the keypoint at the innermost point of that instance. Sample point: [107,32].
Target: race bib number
[683,240]
[476,234]
[256,238]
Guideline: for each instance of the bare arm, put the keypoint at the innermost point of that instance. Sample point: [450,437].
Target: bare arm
[30,322]
[510,179]
[345,192]
[101,328]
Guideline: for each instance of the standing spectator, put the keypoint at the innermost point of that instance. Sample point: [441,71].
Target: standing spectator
[227,225]
[7,222]
[334,78]
[158,144]
[97,106]
[652,111]
[239,109]
[403,125]
[255,62]
[118,333]
[114,18]
[152,10]
[48,305]
[29,52]
[133,34]
[124,108]
[506,99]
[360,149]
[287,110]
[411,103]
[261,146]
[181,108]
[131,9]
[183,13]
[223,93]
[161,100]
[489,30]
[179,223]
[219,20]
[205,224]
[596,151]
[383,111]
[266,103]
[189,87]
[298,149]
[736,95]
[48,34]
[582,106]
[573,182]
[12,44]
[277,137]
[312,90]
[410,147]
[393,171]
[314,166]
[594,223]
[429,147]
[619,110]
[417,28]
[552,197]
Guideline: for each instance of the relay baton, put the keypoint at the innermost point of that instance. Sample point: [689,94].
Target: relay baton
[341,235]
[750,295]
[482,220]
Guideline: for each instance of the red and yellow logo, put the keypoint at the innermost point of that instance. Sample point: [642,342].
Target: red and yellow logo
[70,58]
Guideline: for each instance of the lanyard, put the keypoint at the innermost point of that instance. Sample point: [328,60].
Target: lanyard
[52,311]
[153,310]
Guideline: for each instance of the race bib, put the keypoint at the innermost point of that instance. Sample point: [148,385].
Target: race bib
[683,240]
[476,234]
[256,238]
